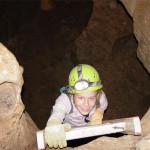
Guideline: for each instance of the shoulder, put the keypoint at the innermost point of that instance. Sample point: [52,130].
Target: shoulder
[63,99]
[103,100]
[103,95]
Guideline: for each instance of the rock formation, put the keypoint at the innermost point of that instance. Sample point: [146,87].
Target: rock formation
[139,11]
[96,41]
[18,131]
[17,128]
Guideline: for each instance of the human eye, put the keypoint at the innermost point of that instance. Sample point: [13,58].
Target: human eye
[80,98]
[92,98]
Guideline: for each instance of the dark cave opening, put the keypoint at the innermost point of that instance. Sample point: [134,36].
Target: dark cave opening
[80,142]
[43,43]
[41,40]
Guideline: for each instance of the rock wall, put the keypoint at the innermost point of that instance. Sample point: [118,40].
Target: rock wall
[108,43]
[96,41]
[139,10]
[17,128]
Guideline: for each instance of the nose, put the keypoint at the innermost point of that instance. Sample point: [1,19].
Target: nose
[86,102]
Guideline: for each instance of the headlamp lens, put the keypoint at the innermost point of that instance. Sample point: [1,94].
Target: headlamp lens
[81,85]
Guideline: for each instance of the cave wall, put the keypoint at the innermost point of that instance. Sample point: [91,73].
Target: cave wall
[139,10]
[18,127]
[96,41]
[13,16]
[111,47]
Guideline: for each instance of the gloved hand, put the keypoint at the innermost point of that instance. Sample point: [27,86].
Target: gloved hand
[97,117]
[55,134]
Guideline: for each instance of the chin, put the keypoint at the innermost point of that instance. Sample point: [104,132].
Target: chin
[84,112]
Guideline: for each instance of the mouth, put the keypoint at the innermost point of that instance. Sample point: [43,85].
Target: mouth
[86,109]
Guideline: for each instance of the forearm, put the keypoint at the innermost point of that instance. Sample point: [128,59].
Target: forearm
[58,113]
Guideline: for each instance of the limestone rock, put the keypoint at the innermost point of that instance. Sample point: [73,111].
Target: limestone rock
[10,71]
[17,129]
[145,123]
[130,6]
[140,13]
[144,143]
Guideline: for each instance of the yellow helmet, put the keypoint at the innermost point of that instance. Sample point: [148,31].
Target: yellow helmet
[84,78]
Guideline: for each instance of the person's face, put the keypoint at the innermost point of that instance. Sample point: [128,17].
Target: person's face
[85,102]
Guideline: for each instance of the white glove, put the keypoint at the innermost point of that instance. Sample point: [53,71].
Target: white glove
[55,134]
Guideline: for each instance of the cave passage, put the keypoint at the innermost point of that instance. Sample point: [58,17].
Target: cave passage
[44,44]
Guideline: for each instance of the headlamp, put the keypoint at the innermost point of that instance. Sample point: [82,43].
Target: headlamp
[81,85]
